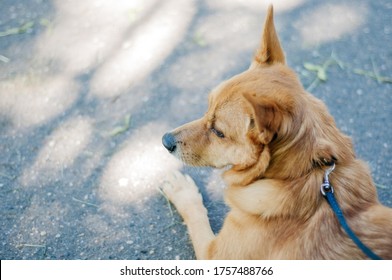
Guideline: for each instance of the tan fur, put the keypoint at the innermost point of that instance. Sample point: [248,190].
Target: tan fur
[277,138]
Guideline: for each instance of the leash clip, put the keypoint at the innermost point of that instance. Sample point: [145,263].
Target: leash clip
[326,186]
[327,192]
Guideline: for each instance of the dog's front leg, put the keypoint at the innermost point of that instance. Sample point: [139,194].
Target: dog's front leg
[184,194]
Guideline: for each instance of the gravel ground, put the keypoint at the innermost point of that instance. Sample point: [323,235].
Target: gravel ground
[87,89]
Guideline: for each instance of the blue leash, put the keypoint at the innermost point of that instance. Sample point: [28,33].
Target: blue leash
[328,192]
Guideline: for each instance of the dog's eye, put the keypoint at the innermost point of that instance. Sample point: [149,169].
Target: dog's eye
[217,132]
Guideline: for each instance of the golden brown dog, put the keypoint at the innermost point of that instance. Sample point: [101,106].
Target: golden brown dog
[277,140]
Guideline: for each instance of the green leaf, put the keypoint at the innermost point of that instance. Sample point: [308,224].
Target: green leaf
[322,74]
[26,27]
[123,128]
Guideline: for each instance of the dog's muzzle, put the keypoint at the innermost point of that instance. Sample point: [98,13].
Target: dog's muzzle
[169,141]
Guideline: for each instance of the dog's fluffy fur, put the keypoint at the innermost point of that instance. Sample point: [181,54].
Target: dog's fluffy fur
[276,139]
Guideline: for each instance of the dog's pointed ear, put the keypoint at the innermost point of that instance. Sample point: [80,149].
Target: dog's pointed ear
[270,51]
[266,117]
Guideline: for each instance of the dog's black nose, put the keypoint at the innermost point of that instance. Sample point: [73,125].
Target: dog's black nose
[169,142]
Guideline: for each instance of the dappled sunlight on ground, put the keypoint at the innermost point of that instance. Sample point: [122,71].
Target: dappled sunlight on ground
[32,99]
[330,22]
[117,43]
[85,34]
[220,37]
[139,168]
[144,48]
[59,151]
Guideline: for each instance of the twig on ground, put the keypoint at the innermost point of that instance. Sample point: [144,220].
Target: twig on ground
[84,202]
[19,246]
[381,186]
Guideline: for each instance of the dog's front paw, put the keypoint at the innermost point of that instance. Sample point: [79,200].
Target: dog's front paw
[182,191]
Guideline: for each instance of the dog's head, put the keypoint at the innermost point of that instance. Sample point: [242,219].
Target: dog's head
[254,120]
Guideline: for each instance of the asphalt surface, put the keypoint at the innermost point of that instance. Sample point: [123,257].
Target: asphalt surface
[88,88]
